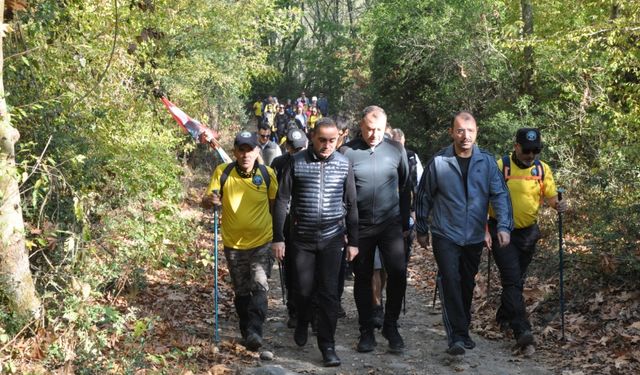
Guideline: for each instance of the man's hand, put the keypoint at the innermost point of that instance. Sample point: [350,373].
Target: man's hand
[487,240]
[504,238]
[210,200]
[561,206]
[278,250]
[352,251]
[423,240]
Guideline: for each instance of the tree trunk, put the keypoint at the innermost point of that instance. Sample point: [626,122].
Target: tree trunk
[527,32]
[15,275]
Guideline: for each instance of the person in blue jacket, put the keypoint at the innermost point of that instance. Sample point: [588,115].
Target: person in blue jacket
[456,188]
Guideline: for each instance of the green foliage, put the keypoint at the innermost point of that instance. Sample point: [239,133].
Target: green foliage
[99,156]
[429,59]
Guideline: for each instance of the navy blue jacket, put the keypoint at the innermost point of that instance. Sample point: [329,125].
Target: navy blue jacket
[457,216]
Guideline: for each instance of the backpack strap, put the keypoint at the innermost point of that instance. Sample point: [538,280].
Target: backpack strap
[537,176]
[225,174]
[265,175]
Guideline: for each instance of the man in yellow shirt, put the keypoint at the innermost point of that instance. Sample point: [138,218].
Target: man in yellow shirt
[257,110]
[530,182]
[246,190]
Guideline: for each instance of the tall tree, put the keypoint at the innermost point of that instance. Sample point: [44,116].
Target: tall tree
[15,275]
[527,33]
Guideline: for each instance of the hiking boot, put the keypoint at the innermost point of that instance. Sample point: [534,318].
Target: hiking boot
[367,341]
[330,358]
[524,339]
[468,343]
[390,332]
[378,316]
[253,342]
[301,333]
[457,348]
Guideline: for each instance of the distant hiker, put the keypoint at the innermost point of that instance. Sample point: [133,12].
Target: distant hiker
[246,190]
[257,110]
[455,190]
[415,173]
[382,172]
[269,150]
[302,100]
[323,104]
[301,117]
[529,181]
[314,116]
[320,185]
[343,129]
[282,119]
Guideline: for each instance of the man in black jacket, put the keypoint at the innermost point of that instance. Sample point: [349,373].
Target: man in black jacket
[296,142]
[382,172]
[320,185]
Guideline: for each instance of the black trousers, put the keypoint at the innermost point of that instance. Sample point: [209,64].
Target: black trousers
[513,261]
[457,269]
[388,238]
[316,265]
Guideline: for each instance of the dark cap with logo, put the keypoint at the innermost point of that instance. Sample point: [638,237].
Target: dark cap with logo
[296,138]
[529,138]
[245,138]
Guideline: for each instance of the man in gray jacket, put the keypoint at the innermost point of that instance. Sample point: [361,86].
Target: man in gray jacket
[382,173]
[456,188]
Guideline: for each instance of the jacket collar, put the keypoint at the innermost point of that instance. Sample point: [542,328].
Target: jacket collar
[311,155]
[450,156]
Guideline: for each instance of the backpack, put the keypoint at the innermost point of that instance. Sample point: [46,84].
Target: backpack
[230,166]
[537,173]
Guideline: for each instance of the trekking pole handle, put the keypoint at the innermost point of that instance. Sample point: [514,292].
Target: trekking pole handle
[560,191]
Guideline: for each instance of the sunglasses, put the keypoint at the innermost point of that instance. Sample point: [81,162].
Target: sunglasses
[536,150]
[264,135]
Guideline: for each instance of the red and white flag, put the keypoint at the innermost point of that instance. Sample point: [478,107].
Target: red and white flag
[199,132]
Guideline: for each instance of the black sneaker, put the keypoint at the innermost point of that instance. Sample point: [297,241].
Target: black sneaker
[457,348]
[468,343]
[253,341]
[524,339]
[367,341]
[390,332]
[330,358]
[378,316]
[301,333]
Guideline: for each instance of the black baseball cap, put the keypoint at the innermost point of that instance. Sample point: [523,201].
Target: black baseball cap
[529,138]
[245,138]
[296,138]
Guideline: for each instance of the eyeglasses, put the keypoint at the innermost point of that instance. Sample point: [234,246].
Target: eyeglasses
[264,135]
[536,150]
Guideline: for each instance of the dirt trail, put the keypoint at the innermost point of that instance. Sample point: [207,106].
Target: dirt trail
[421,329]
[182,307]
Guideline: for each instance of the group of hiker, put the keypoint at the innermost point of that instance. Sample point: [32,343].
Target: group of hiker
[281,116]
[329,201]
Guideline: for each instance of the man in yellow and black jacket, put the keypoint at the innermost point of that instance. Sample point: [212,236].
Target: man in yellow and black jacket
[246,190]
[530,182]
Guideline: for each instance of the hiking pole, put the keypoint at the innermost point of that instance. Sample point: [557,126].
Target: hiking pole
[216,213]
[488,273]
[560,243]
[283,287]
[435,293]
